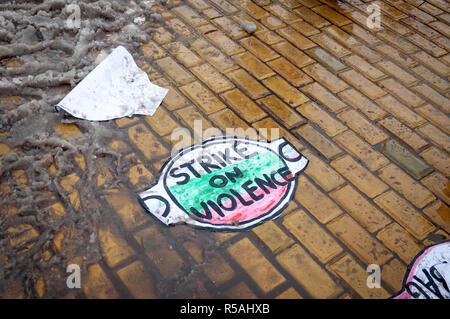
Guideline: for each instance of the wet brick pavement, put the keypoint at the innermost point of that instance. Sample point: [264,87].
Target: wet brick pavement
[368,108]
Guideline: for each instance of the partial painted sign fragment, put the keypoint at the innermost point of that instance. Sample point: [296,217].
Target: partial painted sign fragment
[226,183]
[428,276]
[116,88]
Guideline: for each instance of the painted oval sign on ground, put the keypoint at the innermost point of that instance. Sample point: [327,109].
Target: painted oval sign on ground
[226,183]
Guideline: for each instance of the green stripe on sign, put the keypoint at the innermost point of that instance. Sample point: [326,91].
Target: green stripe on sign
[198,190]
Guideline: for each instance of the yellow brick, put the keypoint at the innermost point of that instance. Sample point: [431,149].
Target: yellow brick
[330,45]
[399,241]
[317,203]
[97,285]
[325,77]
[129,210]
[362,103]
[215,267]
[219,60]
[226,44]
[174,71]
[190,16]
[19,234]
[364,67]
[433,63]
[437,117]
[436,237]
[289,293]
[318,141]
[364,85]
[161,122]
[360,208]
[268,126]
[367,53]
[173,100]
[439,212]
[341,36]
[397,72]
[289,71]
[393,273]
[202,97]
[256,265]
[230,27]
[361,150]
[159,251]
[355,237]
[405,185]
[323,174]
[316,114]
[359,176]
[280,110]
[254,10]
[311,17]
[404,113]
[152,50]
[240,291]
[146,142]
[81,161]
[293,54]
[438,159]
[243,105]
[397,41]
[227,119]
[282,13]
[314,279]
[189,115]
[225,6]
[435,80]
[4,149]
[248,84]
[272,236]
[254,66]
[401,92]
[435,135]
[39,286]
[57,210]
[427,92]
[401,131]
[404,214]
[259,49]
[361,19]
[361,33]
[68,182]
[396,55]
[183,54]
[325,97]
[355,277]
[199,4]
[67,130]
[213,79]
[439,185]
[296,38]
[272,22]
[103,173]
[124,121]
[285,91]
[319,242]
[115,249]
[138,280]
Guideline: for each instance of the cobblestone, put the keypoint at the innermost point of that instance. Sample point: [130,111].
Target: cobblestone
[368,107]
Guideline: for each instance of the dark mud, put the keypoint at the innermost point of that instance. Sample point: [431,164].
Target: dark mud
[54,56]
